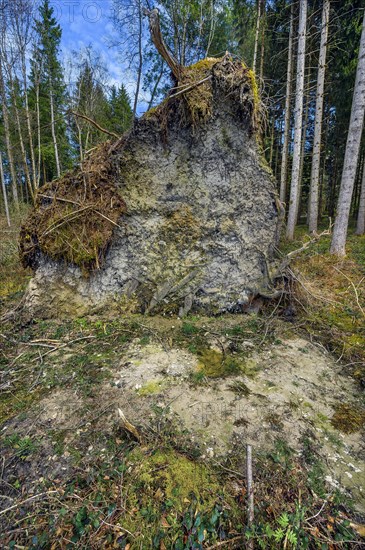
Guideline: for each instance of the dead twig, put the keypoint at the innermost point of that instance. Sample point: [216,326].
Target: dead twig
[6,510]
[191,87]
[355,289]
[96,125]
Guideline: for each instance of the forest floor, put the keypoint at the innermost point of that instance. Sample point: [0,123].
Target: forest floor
[288,380]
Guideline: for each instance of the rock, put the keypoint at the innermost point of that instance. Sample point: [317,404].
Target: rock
[201,220]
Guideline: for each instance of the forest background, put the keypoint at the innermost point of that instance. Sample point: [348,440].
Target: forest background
[305,55]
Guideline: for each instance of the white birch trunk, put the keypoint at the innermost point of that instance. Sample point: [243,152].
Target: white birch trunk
[298,118]
[316,157]
[54,137]
[3,186]
[338,245]
[284,158]
[360,226]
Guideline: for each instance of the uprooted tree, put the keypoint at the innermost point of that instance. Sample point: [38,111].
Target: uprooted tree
[180,212]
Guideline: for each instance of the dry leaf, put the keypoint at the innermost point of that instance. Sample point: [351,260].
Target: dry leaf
[165,523]
[360,529]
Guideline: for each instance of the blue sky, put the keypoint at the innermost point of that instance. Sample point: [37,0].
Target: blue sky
[88,22]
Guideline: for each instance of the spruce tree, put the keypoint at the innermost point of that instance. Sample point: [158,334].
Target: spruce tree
[48,90]
[121,114]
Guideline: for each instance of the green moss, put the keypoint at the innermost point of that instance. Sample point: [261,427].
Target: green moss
[213,364]
[150,388]
[175,477]
[348,419]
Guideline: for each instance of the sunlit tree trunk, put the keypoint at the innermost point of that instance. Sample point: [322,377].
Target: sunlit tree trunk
[298,122]
[257,34]
[316,158]
[53,129]
[338,245]
[9,150]
[3,187]
[284,159]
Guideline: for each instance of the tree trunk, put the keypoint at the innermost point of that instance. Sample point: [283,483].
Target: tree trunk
[21,143]
[360,226]
[338,245]
[298,116]
[306,100]
[53,128]
[29,125]
[6,206]
[38,133]
[284,158]
[257,33]
[262,52]
[155,30]
[316,158]
[9,150]
[140,61]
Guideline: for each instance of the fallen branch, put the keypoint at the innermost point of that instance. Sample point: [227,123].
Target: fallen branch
[95,124]
[312,240]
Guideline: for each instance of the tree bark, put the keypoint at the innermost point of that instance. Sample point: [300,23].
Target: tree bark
[298,116]
[53,129]
[3,186]
[257,33]
[284,159]
[360,226]
[7,139]
[338,245]
[159,43]
[316,158]
[262,52]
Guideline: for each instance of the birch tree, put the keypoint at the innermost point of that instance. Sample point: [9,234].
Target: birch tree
[316,158]
[338,244]
[298,122]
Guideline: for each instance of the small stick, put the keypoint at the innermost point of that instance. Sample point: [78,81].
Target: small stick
[190,87]
[250,504]
[25,501]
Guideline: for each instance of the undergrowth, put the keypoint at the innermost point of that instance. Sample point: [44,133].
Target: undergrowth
[89,485]
[329,297]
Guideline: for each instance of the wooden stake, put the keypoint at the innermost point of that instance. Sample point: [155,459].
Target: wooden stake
[250,503]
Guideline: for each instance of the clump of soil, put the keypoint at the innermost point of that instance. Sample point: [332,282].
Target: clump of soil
[74,216]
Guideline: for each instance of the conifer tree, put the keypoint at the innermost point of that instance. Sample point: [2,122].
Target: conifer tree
[48,90]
